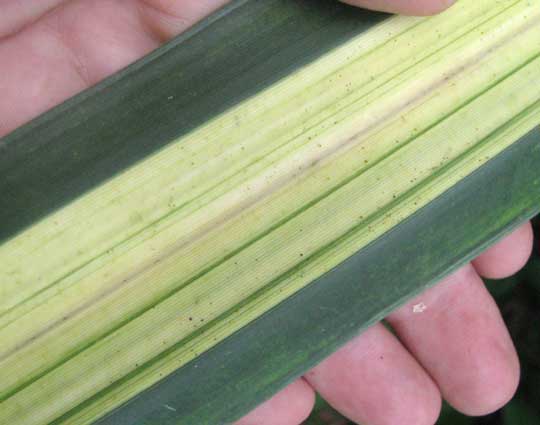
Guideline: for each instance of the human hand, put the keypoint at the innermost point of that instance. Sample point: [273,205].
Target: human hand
[458,347]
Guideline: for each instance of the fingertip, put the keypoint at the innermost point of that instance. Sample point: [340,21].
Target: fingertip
[428,408]
[508,256]
[457,333]
[437,6]
[291,406]
[404,7]
[492,388]
[374,367]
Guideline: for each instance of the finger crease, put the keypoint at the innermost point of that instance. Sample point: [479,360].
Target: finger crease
[55,30]
[28,22]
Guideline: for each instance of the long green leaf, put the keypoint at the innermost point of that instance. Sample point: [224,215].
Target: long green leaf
[209,223]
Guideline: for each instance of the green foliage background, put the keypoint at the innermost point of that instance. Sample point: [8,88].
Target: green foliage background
[519,300]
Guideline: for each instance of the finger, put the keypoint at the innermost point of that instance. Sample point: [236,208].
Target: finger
[16,14]
[77,45]
[28,82]
[374,380]
[54,59]
[456,332]
[406,7]
[291,406]
[167,18]
[507,256]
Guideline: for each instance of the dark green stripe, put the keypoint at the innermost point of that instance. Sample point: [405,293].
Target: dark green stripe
[225,382]
[223,60]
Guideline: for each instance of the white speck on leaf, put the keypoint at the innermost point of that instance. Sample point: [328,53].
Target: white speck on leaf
[172,409]
[419,308]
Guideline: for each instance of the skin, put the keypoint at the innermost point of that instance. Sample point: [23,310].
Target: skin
[458,348]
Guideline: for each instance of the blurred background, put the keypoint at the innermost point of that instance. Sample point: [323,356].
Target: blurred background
[519,300]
